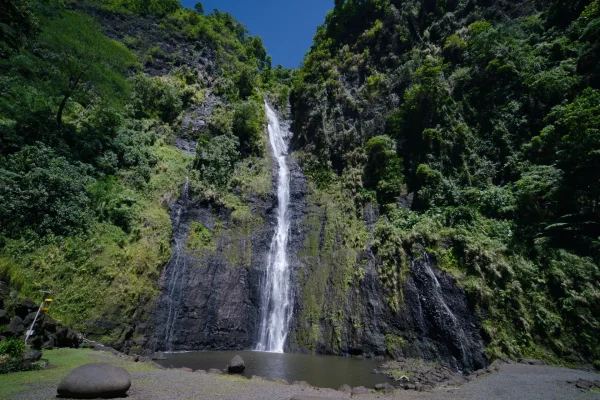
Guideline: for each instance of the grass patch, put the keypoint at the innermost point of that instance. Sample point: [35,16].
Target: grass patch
[62,361]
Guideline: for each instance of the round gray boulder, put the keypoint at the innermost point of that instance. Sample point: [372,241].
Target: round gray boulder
[92,381]
[236,365]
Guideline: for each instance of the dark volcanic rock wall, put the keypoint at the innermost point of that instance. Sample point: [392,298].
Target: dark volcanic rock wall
[342,306]
[210,297]
[211,286]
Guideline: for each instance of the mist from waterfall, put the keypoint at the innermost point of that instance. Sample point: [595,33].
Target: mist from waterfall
[276,304]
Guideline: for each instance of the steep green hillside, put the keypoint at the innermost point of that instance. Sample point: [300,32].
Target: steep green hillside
[474,127]
[88,128]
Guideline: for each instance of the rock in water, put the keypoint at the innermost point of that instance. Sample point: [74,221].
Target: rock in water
[159,356]
[384,387]
[359,390]
[345,389]
[236,366]
[95,380]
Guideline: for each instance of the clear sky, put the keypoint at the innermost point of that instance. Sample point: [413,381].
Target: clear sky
[287,27]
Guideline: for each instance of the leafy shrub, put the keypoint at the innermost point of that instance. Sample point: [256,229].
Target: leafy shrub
[383,170]
[216,160]
[43,192]
[13,347]
[112,203]
[158,96]
[154,7]
[249,121]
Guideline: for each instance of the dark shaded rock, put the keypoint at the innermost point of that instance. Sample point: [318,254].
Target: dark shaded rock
[32,356]
[359,390]
[24,308]
[66,337]
[28,320]
[345,389]
[95,380]
[583,384]
[15,328]
[49,344]
[4,317]
[236,365]
[159,356]
[530,361]
[215,371]
[384,387]
[4,293]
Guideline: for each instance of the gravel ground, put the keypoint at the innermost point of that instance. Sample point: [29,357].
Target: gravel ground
[515,381]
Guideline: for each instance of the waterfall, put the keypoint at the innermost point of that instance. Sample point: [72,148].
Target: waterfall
[276,305]
[433,300]
[176,267]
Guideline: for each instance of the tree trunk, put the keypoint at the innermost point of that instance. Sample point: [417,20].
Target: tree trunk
[61,108]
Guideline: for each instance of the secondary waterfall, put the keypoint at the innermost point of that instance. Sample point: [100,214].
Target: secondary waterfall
[276,305]
[177,266]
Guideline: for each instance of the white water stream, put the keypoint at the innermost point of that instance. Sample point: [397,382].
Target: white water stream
[276,304]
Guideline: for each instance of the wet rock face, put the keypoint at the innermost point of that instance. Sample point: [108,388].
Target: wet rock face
[211,301]
[211,296]
[443,316]
[434,321]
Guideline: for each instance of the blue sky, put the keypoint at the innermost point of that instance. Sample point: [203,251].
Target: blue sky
[287,27]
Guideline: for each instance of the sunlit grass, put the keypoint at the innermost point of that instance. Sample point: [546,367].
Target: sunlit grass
[62,361]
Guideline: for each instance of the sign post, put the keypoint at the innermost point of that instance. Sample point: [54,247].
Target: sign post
[42,308]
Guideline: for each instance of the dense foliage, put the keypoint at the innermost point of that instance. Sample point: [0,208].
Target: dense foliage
[88,166]
[476,131]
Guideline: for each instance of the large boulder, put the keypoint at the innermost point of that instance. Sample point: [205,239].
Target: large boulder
[95,380]
[15,328]
[236,365]
[32,356]
[3,317]
[345,389]
[25,307]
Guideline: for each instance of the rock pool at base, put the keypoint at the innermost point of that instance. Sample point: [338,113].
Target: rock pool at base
[93,381]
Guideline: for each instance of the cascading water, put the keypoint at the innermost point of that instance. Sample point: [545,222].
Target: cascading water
[432,299]
[276,305]
[176,267]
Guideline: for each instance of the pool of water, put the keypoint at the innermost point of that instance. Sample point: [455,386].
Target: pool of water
[320,371]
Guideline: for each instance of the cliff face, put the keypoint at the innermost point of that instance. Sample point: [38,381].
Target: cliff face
[435,210]
[211,286]
[343,307]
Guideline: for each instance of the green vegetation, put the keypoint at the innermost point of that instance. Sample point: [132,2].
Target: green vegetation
[330,254]
[88,166]
[62,362]
[478,140]
[11,357]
